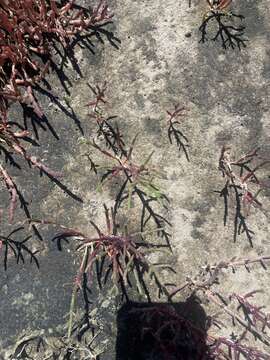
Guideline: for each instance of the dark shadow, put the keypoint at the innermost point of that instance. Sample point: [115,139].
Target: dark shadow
[99,31]
[111,135]
[63,78]
[162,331]
[150,214]
[67,53]
[68,110]
[229,34]
[64,188]
[84,41]
[240,222]
[18,248]
[177,136]
[9,159]
[30,118]
[84,324]
[24,205]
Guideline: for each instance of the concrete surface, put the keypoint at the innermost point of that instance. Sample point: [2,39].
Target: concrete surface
[158,64]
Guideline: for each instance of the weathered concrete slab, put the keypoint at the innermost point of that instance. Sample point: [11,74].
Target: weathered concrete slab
[159,63]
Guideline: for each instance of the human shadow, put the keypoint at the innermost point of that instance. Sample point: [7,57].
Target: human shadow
[159,331]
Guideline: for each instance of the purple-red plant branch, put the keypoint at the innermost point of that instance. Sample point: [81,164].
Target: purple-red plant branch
[99,92]
[12,190]
[11,141]
[254,312]
[226,165]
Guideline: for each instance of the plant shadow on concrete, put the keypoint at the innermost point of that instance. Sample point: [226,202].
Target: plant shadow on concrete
[242,180]
[175,135]
[20,250]
[222,25]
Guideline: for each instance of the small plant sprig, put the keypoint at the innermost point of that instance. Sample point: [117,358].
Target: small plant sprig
[208,274]
[227,32]
[138,175]
[245,184]
[255,320]
[106,130]
[174,134]
[222,348]
[99,92]
[138,180]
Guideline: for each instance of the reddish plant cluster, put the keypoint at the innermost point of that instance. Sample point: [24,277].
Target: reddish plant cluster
[120,252]
[108,253]
[28,29]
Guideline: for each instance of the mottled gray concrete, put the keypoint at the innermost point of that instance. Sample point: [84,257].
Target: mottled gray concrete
[159,63]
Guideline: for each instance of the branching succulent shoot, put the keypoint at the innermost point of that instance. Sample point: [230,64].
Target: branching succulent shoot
[137,180]
[109,252]
[242,177]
